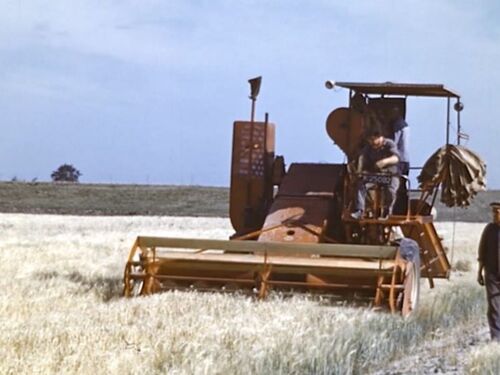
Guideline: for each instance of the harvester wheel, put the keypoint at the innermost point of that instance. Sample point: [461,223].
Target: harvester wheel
[408,298]
[134,286]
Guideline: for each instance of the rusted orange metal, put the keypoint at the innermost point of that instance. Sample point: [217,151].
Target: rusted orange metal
[157,263]
[251,174]
[345,126]
[293,231]
[303,204]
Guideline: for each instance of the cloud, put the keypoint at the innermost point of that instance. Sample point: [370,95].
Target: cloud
[106,29]
[182,35]
[166,63]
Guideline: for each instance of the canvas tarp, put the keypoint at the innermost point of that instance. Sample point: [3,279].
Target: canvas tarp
[458,171]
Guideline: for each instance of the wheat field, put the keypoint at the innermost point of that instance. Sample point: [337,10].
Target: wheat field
[61,310]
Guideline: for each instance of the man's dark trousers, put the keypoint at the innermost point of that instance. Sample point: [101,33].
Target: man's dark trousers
[492,283]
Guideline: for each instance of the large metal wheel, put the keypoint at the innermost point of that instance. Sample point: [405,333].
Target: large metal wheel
[134,286]
[409,297]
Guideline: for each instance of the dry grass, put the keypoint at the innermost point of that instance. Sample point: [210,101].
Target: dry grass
[61,310]
[485,360]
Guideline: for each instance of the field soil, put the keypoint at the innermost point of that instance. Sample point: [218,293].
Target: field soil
[162,200]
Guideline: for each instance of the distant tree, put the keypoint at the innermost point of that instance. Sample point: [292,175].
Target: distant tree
[66,173]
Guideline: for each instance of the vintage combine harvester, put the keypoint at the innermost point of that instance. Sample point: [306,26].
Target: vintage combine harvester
[293,231]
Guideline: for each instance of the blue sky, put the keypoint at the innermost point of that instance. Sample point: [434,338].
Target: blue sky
[147,91]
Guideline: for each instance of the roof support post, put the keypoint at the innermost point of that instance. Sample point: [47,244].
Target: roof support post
[459,130]
[448,121]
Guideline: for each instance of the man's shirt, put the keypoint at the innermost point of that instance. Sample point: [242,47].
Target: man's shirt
[371,156]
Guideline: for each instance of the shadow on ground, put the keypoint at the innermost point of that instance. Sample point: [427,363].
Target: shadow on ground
[105,288]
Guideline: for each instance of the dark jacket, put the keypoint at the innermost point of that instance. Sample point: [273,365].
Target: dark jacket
[489,249]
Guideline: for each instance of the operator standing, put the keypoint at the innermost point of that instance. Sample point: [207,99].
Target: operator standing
[400,136]
[489,259]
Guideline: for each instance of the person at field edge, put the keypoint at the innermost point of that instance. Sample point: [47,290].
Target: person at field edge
[489,270]
[379,155]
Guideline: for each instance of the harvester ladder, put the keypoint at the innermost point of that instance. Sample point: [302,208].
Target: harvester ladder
[433,255]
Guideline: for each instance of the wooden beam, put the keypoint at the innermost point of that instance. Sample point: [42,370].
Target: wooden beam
[177,259]
[343,250]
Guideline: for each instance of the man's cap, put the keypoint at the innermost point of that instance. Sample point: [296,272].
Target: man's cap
[495,204]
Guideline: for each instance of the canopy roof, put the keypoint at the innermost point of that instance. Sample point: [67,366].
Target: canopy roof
[406,89]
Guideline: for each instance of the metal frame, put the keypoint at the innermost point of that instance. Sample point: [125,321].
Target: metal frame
[409,89]
[257,266]
[377,272]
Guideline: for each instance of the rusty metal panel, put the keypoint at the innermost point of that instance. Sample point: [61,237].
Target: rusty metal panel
[251,142]
[312,179]
[304,219]
[303,203]
[251,174]
[346,128]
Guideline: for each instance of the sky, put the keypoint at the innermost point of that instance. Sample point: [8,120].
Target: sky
[147,91]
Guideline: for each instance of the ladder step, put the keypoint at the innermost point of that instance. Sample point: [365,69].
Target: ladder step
[388,286]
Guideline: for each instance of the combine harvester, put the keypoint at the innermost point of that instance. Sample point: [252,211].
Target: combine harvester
[293,229]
